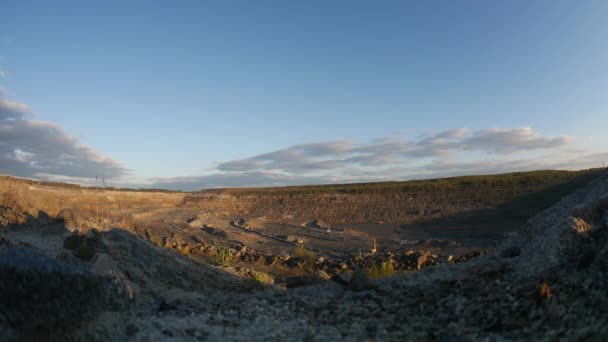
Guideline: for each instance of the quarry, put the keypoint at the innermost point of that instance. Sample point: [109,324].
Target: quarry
[515,256]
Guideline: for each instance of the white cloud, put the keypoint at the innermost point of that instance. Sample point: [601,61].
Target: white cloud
[237,179]
[334,155]
[445,153]
[10,110]
[29,148]
[505,141]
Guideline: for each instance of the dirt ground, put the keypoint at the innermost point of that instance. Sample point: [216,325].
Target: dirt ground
[161,214]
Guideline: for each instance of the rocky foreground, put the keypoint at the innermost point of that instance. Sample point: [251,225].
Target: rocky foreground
[547,282]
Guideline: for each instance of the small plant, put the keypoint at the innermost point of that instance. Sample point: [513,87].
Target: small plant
[309,257]
[302,252]
[184,250]
[385,269]
[157,240]
[223,255]
[261,277]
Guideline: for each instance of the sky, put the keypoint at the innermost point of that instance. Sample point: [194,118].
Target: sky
[201,94]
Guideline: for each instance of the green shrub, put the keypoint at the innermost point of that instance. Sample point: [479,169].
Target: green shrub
[223,255]
[184,250]
[157,240]
[309,257]
[302,252]
[385,269]
[262,278]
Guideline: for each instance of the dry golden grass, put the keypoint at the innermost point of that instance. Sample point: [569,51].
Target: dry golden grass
[14,194]
[107,206]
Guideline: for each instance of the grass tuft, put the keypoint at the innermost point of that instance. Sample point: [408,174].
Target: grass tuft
[385,269]
[157,240]
[309,257]
[223,255]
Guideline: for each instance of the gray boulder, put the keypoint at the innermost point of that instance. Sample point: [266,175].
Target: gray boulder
[39,294]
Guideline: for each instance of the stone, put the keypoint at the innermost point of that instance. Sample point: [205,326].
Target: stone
[120,295]
[581,226]
[40,217]
[305,280]
[586,259]
[85,252]
[343,278]
[510,252]
[295,262]
[74,242]
[215,232]
[41,294]
[131,330]
[12,217]
[360,282]
[422,260]
[91,233]
[323,275]
[166,306]
[96,242]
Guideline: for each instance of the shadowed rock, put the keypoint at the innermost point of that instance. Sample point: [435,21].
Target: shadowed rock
[41,294]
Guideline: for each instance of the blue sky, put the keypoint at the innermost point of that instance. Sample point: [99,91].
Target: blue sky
[176,95]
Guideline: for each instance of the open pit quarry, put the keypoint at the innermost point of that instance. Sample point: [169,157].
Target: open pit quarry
[518,256]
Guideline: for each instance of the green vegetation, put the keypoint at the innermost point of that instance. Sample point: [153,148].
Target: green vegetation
[261,277]
[157,240]
[531,179]
[184,250]
[385,269]
[302,252]
[223,255]
[309,257]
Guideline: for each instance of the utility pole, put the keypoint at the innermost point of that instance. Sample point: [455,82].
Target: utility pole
[97,197]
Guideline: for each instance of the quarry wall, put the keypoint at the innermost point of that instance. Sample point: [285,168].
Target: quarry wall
[515,196]
[349,208]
